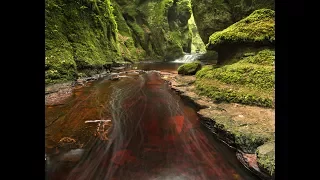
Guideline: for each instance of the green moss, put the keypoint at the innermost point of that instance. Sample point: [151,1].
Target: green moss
[255,71]
[266,157]
[249,142]
[221,92]
[60,65]
[137,30]
[167,23]
[247,137]
[258,27]
[216,15]
[78,35]
[246,74]
[93,32]
[249,79]
[197,43]
[189,68]
[173,44]
[121,22]
[128,48]
[264,57]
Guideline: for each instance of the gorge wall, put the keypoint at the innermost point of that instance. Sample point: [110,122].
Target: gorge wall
[83,35]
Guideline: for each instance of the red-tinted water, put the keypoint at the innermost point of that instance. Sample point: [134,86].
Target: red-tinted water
[154,135]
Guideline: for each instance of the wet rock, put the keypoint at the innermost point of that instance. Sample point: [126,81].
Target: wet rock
[92,78]
[66,143]
[80,82]
[133,73]
[250,162]
[56,87]
[57,97]
[115,77]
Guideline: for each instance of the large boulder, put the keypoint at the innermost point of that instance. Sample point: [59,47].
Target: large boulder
[256,30]
[215,15]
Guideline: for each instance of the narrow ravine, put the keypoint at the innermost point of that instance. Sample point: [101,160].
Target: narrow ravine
[154,134]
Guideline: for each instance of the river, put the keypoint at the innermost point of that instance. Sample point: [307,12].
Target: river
[155,135]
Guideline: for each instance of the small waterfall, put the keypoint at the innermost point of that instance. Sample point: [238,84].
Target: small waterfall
[188,57]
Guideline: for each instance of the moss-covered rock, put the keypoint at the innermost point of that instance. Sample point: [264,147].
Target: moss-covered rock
[216,15]
[257,28]
[245,70]
[247,79]
[266,158]
[189,68]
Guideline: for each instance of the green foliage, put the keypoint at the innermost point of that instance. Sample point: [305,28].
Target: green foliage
[189,68]
[258,27]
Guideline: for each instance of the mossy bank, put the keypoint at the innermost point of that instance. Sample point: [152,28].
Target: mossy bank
[237,94]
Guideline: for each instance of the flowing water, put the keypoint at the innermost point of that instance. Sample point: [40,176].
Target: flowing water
[188,57]
[155,135]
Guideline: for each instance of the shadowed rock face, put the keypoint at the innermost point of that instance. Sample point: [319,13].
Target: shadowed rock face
[215,15]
